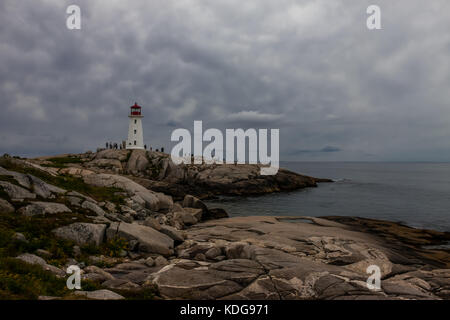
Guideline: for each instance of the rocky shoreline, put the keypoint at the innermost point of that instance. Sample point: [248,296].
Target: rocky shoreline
[155,170]
[102,212]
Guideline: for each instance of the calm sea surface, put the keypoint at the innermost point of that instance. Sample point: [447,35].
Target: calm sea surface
[417,194]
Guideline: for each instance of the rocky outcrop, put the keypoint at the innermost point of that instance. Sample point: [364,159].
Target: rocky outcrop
[187,254]
[42,189]
[156,171]
[82,233]
[36,185]
[270,258]
[138,162]
[153,200]
[208,180]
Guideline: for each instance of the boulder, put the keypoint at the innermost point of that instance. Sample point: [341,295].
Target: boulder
[16,192]
[20,237]
[74,201]
[193,202]
[21,178]
[213,253]
[111,207]
[152,223]
[93,207]
[6,207]
[42,188]
[43,208]
[99,272]
[197,213]
[173,233]
[34,259]
[149,262]
[184,217]
[149,239]
[82,233]
[175,282]
[216,213]
[138,162]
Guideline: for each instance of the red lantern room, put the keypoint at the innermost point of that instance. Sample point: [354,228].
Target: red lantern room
[135,110]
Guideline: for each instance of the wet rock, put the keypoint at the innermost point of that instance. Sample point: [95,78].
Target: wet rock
[216,213]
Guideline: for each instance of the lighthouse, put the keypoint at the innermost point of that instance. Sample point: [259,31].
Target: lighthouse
[135,133]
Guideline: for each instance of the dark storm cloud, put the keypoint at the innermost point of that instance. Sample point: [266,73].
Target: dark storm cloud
[309,68]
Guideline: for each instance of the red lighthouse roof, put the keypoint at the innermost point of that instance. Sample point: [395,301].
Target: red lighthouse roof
[135,110]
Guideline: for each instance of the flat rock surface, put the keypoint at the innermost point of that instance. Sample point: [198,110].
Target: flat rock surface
[268,258]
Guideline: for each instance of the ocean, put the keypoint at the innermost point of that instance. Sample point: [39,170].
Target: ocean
[416,194]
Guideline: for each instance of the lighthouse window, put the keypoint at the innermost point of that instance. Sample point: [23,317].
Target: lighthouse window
[135,121]
[134,131]
[134,142]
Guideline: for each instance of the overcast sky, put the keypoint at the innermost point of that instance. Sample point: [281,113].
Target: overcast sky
[336,90]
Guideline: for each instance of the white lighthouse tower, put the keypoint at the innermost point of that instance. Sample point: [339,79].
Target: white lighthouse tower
[135,133]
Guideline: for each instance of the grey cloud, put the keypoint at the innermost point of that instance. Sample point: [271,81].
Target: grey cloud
[324,149]
[309,68]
